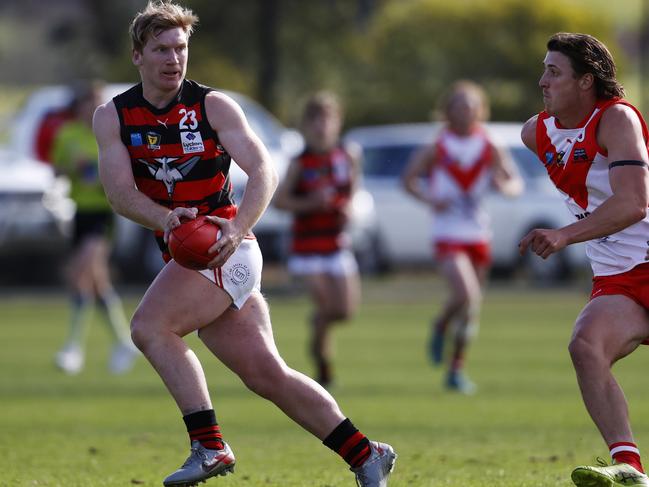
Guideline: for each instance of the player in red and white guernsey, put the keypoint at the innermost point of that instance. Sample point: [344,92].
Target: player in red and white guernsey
[165,148]
[594,146]
[461,166]
[318,190]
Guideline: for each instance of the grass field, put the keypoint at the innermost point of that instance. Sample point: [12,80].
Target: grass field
[525,427]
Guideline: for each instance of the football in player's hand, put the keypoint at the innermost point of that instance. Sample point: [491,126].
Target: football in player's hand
[189,242]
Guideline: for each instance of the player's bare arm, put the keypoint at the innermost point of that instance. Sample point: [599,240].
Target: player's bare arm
[620,132]
[528,133]
[238,139]
[117,178]
[355,154]
[506,177]
[421,163]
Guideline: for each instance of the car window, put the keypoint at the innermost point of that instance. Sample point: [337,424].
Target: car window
[386,161]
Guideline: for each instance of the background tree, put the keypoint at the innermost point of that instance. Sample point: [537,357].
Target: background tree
[388,59]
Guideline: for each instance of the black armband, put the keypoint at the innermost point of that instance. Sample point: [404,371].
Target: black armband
[627,163]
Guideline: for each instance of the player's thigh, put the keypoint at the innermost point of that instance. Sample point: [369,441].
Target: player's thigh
[319,288]
[243,339]
[613,324]
[460,274]
[100,259]
[344,292]
[180,300]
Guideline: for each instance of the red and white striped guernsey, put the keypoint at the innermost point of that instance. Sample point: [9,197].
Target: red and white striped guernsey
[176,156]
[461,176]
[578,167]
[323,232]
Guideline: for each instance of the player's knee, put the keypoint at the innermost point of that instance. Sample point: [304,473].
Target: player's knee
[341,313]
[140,333]
[460,302]
[582,349]
[265,377]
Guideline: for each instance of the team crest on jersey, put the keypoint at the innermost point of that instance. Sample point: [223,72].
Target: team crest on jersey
[136,138]
[549,158]
[164,169]
[153,140]
[191,142]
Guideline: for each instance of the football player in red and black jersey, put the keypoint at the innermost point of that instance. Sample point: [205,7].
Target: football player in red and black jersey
[165,149]
[318,190]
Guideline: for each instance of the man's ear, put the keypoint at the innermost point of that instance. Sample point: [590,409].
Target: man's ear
[136,57]
[586,81]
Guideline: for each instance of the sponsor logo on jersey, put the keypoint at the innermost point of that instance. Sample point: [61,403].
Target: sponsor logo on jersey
[136,138]
[560,156]
[191,142]
[580,155]
[153,140]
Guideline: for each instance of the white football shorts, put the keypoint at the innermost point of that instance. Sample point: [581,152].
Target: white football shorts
[241,274]
[340,263]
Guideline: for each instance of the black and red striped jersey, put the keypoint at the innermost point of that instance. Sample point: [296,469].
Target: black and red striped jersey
[176,156]
[322,232]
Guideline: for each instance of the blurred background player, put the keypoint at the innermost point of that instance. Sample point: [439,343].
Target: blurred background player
[318,189]
[594,147]
[74,153]
[460,167]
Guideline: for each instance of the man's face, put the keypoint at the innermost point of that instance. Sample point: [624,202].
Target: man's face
[322,130]
[163,60]
[464,109]
[558,83]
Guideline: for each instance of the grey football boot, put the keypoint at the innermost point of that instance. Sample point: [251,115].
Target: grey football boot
[377,468]
[201,465]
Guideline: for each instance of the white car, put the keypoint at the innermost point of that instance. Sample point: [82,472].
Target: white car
[35,216]
[405,223]
[135,249]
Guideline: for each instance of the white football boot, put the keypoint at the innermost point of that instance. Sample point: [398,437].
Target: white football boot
[377,468]
[70,359]
[202,464]
[616,475]
[122,358]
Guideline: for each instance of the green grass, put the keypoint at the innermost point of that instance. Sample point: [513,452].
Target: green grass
[525,428]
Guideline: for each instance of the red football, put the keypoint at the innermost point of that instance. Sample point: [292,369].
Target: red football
[188,243]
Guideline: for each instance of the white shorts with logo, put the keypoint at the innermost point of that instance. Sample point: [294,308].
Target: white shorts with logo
[340,263]
[241,274]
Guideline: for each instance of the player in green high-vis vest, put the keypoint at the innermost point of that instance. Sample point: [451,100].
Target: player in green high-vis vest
[74,153]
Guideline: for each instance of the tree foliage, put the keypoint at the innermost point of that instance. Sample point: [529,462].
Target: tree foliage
[388,59]
[420,46]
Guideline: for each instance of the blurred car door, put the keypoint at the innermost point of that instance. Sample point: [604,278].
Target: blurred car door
[35,219]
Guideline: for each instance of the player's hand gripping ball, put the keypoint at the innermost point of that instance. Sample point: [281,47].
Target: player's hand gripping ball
[189,242]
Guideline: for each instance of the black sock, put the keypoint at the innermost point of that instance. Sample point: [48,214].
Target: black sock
[352,445]
[202,427]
